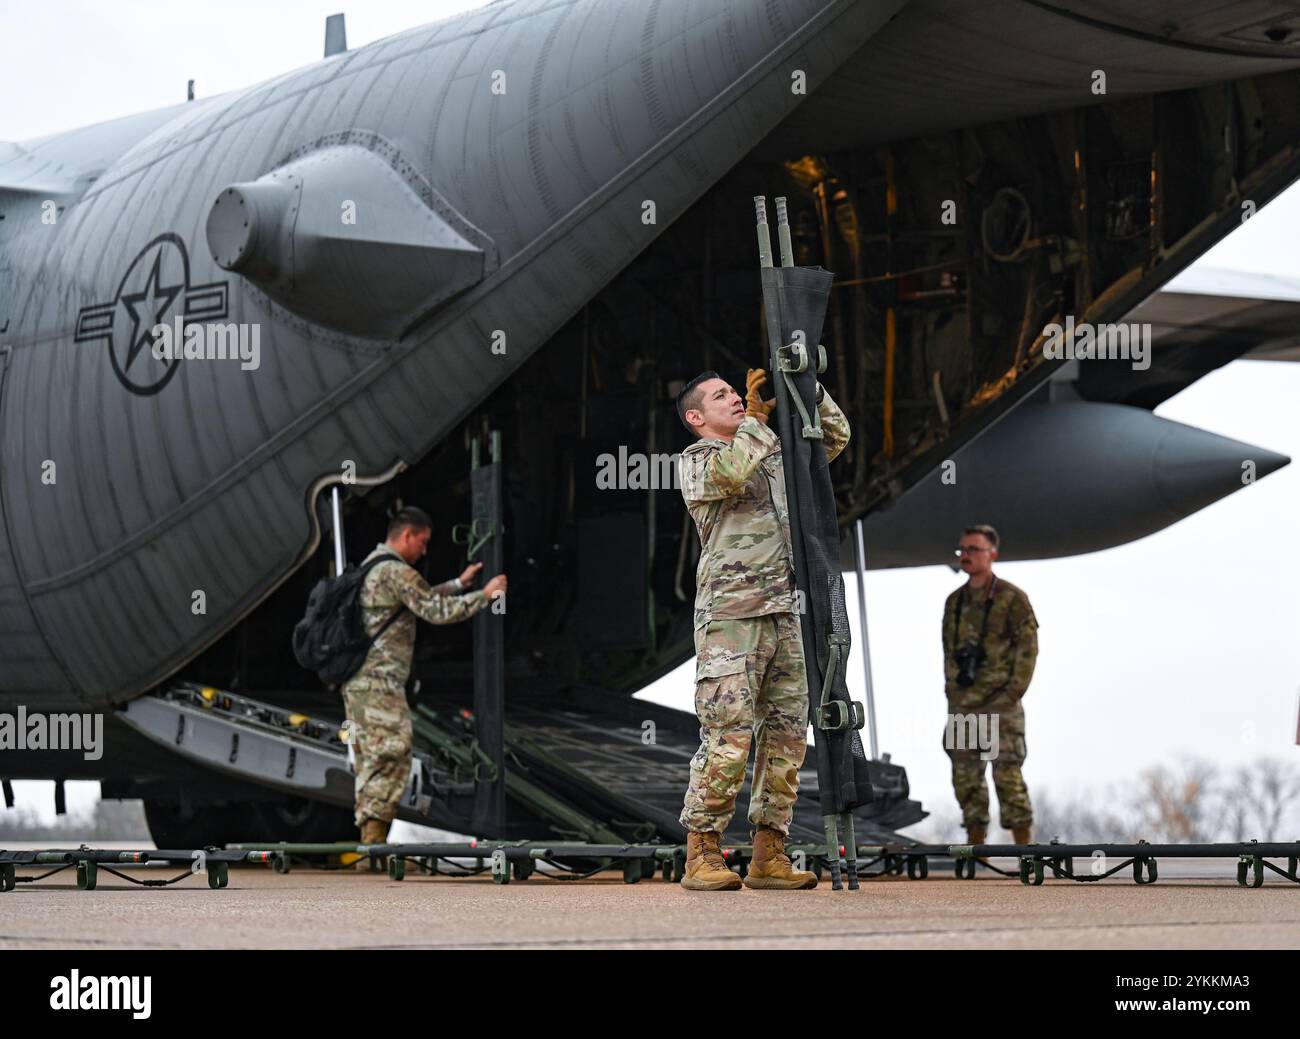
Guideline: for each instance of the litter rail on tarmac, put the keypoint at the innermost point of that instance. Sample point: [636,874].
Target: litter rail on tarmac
[574,859]
[88,862]
[577,860]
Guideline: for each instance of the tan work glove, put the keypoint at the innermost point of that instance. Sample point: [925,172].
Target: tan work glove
[754,403]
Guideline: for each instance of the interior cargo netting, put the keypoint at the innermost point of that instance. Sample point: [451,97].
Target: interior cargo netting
[794,304]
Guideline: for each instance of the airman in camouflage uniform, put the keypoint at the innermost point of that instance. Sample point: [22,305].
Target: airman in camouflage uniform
[1010,649]
[376,695]
[751,683]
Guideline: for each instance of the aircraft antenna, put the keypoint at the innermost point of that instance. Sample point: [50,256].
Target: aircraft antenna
[336,36]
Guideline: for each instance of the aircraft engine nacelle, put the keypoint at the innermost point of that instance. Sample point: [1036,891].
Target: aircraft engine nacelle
[343,239]
[1062,479]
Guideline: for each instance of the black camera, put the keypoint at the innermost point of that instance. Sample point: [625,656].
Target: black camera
[968,658]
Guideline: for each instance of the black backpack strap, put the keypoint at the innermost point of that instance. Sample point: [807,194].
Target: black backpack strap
[365,568]
[385,626]
[401,607]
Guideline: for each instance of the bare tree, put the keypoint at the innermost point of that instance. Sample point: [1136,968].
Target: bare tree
[1178,804]
[1081,816]
[1259,800]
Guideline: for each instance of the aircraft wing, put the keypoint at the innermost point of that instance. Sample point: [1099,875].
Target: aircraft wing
[1205,318]
[21,173]
[67,164]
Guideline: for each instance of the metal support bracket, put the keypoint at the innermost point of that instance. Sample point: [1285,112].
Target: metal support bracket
[836,715]
[793,359]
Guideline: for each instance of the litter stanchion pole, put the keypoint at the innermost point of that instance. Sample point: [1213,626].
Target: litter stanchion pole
[486,545]
[868,690]
[794,306]
[336,508]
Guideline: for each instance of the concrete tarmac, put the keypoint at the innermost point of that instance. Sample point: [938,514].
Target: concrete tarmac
[1195,904]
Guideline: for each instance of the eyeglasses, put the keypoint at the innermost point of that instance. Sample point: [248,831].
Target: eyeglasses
[961,550]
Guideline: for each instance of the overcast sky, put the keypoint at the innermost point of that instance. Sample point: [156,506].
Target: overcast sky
[1182,643]
[69,63]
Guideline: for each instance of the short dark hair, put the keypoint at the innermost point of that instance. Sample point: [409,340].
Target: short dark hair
[689,398]
[406,517]
[986,530]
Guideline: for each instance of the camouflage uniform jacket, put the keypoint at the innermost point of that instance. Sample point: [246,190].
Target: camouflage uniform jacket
[389,659]
[735,493]
[1010,645]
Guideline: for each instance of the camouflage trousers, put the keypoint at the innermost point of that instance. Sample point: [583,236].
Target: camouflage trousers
[751,689]
[381,744]
[1007,754]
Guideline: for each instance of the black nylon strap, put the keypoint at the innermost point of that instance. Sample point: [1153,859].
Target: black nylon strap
[388,623]
[401,607]
[795,300]
[988,607]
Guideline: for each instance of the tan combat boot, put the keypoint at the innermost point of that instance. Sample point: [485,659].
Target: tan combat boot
[706,869]
[1021,835]
[771,868]
[373,831]
[977,835]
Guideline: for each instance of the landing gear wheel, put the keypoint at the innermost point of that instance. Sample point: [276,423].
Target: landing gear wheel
[396,867]
[7,881]
[300,821]
[87,875]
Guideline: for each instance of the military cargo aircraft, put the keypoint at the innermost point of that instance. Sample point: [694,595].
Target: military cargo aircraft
[535,218]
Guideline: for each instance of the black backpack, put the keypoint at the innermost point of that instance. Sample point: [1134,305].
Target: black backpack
[331,638]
